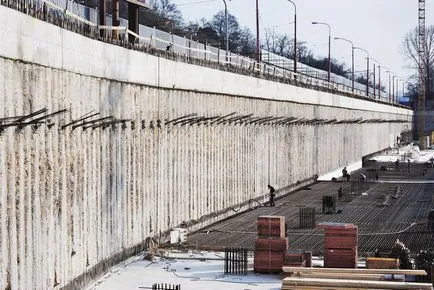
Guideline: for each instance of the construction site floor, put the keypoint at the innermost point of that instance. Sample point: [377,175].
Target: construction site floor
[393,206]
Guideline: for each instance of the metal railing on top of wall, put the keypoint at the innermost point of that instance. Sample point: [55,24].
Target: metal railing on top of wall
[84,20]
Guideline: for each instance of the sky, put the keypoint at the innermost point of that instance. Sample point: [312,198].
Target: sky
[378,26]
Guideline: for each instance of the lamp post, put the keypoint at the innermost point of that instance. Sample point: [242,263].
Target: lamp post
[295,35]
[389,72]
[258,56]
[352,59]
[379,90]
[379,81]
[330,64]
[367,69]
[395,92]
[227,30]
[396,87]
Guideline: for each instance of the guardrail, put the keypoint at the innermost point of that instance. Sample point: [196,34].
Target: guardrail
[84,20]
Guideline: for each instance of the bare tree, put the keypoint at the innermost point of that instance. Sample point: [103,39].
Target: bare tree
[169,16]
[218,24]
[410,50]
[247,45]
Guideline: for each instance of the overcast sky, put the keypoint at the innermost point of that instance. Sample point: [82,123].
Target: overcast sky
[378,26]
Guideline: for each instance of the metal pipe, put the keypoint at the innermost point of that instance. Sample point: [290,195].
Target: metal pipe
[180,118]
[31,115]
[222,117]
[92,122]
[79,120]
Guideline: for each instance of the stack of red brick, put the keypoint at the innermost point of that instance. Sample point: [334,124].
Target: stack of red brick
[271,244]
[340,245]
[298,258]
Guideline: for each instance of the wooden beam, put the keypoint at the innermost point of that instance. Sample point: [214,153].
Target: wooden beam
[364,284]
[355,271]
[320,288]
[352,276]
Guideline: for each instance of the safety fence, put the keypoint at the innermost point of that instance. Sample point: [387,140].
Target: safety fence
[84,20]
[166,287]
[307,217]
[235,261]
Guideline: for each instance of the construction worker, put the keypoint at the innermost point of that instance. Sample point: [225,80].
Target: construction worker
[345,175]
[272,195]
[362,177]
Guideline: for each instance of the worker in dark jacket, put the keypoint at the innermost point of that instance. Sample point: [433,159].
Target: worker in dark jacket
[345,175]
[272,195]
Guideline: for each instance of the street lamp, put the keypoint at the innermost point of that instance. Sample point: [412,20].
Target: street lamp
[227,30]
[396,88]
[389,72]
[258,56]
[352,59]
[367,69]
[379,90]
[295,35]
[330,64]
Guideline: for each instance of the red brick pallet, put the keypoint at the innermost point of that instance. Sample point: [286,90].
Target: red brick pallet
[271,226]
[271,244]
[340,242]
[340,245]
[268,262]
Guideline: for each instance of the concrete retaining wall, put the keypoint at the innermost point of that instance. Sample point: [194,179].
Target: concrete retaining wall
[71,199]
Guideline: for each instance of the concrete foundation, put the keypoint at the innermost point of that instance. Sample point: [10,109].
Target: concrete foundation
[75,200]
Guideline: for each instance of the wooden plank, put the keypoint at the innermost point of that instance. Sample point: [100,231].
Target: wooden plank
[343,283]
[336,226]
[359,271]
[323,288]
[351,276]
[382,263]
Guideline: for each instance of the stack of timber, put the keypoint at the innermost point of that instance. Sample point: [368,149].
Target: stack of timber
[382,263]
[271,244]
[340,245]
[335,278]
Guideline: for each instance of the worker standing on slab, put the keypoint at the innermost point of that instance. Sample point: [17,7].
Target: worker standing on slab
[272,195]
[397,165]
[408,165]
[345,175]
